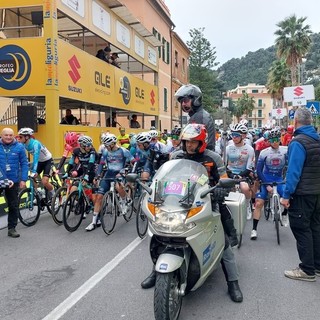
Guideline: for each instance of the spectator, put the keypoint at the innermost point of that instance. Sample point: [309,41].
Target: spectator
[123,138]
[14,167]
[134,123]
[302,196]
[114,57]
[104,54]
[114,122]
[69,118]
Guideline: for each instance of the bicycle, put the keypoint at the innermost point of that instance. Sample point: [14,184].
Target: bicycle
[59,199]
[77,204]
[111,207]
[34,199]
[274,207]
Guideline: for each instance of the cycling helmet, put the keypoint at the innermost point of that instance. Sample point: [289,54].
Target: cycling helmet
[244,122]
[192,132]
[189,91]
[152,128]
[143,137]
[266,134]
[25,132]
[241,128]
[274,133]
[266,127]
[108,139]
[85,141]
[71,138]
[154,133]
[176,131]
[290,129]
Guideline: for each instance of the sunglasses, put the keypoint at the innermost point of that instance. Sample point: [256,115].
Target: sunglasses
[235,135]
[272,140]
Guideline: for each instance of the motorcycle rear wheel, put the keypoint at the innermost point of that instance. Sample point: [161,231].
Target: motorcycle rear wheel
[167,298]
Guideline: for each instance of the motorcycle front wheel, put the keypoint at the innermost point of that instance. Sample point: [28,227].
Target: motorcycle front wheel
[167,298]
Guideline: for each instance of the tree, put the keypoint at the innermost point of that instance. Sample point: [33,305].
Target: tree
[202,62]
[244,106]
[292,43]
[278,78]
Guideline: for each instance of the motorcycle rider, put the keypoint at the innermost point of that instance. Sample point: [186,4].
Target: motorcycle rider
[194,142]
[190,98]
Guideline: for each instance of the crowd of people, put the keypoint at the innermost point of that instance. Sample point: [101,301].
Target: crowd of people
[251,155]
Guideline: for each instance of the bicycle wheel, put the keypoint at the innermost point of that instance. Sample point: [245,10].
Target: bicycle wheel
[29,207]
[141,218]
[108,213]
[57,204]
[73,211]
[276,207]
[130,196]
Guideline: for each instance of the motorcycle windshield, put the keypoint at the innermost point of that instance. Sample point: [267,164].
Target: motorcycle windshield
[176,183]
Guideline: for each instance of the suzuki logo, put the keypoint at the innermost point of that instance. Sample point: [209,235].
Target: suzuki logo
[298,91]
[74,73]
[152,100]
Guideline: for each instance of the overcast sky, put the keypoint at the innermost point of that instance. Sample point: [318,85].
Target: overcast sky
[236,27]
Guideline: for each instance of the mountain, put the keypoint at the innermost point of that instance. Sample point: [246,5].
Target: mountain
[254,66]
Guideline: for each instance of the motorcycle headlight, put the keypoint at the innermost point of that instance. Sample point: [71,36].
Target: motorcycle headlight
[173,222]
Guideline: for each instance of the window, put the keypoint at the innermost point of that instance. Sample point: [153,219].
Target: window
[259,123]
[158,36]
[243,91]
[176,59]
[250,123]
[259,113]
[165,99]
[255,91]
[259,102]
[183,65]
[165,51]
[250,114]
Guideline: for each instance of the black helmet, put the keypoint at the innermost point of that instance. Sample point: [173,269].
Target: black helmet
[190,91]
[176,131]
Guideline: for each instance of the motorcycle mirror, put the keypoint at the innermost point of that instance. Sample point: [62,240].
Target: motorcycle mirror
[226,183]
[131,177]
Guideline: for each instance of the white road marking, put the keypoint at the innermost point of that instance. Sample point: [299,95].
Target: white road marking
[74,297]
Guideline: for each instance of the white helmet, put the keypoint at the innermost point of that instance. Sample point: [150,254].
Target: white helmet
[143,137]
[26,131]
[85,141]
[244,122]
[241,128]
[109,139]
[153,134]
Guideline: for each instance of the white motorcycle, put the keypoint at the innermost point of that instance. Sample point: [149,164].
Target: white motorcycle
[186,234]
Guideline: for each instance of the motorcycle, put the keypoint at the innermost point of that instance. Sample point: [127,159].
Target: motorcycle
[186,234]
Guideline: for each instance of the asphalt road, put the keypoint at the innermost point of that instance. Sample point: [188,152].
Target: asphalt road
[49,273]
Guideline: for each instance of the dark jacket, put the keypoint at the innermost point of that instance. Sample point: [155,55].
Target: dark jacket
[70,120]
[201,116]
[13,161]
[303,174]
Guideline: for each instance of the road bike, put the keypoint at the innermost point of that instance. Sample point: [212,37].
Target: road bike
[34,199]
[111,205]
[59,199]
[77,204]
[273,207]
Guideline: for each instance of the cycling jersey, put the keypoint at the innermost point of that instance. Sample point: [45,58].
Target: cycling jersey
[67,150]
[239,159]
[39,152]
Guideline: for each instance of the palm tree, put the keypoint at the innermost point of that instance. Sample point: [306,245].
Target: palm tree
[293,43]
[278,78]
[244,105]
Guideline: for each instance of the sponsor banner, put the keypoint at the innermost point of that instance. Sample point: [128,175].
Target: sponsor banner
[21,70]
[135,94]
[85,78]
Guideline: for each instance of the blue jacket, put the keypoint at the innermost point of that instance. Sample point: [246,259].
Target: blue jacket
[13,157]
[296,159]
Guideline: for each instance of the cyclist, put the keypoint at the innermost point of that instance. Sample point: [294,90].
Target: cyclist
[270,167]
[240,161]
[115,158]
[71,142]
[175,135]
[194,138]
[42,158]
[288,136]
[82,162]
